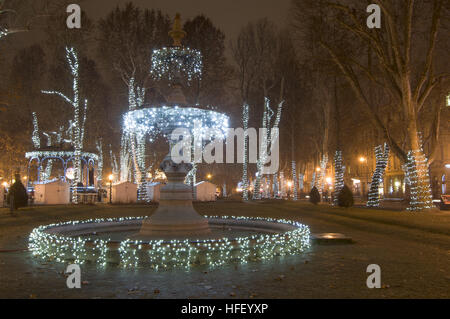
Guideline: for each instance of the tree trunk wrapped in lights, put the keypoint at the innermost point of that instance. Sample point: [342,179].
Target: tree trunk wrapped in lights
[124,159]
[245,118]
[79,119]
[263,149]
[419,181]
[266,143]
[136,98]
[99,146]
[282,185]
[35,136]
[382,157]
[323,170]
[339,170]
[294,177]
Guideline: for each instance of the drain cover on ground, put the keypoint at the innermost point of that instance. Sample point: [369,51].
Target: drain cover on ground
[331,238]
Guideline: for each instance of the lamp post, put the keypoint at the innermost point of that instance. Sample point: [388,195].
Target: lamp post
[364,172]
[110,177]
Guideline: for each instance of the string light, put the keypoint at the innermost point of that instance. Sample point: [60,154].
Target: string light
[266,141]
[165,119]
[172,62]
[282,185]
[3,32]
[99,146]
[245,118]
[35,135]
[339,170]
[382,158]
[46,243]
[77,126]
[62,154]
[294,177]
[322,173]
[419,181]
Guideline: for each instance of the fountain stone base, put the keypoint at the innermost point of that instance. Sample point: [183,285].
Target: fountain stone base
[175,214]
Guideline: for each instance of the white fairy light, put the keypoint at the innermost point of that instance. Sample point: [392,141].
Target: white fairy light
[419,181]
[245,118]
[35,136]
[339,170]
[3,32]
[164,119]
[382,158]
[99,146]
[172,62]
[166,254]
[79,118]
[294,177]
[322,174]
[63,154]
[266,144]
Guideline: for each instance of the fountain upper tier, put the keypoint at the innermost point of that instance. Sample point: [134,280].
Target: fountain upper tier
[165,119]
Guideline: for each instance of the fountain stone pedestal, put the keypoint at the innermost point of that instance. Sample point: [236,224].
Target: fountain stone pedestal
[175,214]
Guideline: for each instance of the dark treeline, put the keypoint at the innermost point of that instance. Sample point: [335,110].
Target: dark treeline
[344,87]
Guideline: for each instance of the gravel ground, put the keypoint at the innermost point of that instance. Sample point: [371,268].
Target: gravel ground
[413,251]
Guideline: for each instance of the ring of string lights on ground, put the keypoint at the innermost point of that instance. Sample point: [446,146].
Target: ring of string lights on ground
[167,254]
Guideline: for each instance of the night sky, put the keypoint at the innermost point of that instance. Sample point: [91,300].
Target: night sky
[228,15]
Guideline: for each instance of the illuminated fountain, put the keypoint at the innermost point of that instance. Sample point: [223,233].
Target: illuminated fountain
[175,235]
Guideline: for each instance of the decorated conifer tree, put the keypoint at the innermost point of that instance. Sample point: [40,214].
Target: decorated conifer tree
[17,194]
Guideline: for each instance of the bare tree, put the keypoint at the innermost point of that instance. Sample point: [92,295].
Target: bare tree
[402,62]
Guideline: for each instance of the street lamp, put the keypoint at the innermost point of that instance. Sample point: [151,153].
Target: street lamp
[110,177]
[364,174]
[209,176]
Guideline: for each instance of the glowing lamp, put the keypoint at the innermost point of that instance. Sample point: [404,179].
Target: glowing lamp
[70,173]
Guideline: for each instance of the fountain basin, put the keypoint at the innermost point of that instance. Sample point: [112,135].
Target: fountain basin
[118,241]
